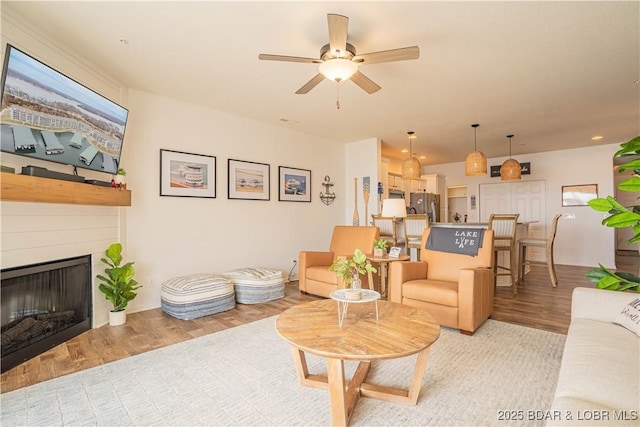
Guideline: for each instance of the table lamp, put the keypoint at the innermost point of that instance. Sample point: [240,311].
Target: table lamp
[394,208]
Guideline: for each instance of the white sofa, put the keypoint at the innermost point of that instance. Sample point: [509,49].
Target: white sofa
[599,377]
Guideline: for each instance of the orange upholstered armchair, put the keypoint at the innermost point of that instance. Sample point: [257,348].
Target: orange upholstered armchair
[457,289]
[315,276]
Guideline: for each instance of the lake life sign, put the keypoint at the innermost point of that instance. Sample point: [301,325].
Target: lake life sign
[465,241]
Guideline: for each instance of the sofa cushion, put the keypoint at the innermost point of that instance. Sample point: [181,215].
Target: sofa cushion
[600,366]
[322,274]
[629,316]
[432,291]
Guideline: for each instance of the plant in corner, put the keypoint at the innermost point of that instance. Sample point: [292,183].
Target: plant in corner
[350,268]
[620,217]
[118,285]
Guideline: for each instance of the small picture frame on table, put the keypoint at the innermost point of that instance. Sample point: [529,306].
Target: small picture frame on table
[394,252]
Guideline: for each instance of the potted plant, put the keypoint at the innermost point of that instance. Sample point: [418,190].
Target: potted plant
[118,285]
[620,217]
[121,179]
[380,247]
[349,269]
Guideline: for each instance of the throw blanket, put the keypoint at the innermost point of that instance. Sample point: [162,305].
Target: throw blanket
[465,241]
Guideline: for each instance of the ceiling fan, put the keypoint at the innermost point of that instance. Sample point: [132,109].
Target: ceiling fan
[339,61]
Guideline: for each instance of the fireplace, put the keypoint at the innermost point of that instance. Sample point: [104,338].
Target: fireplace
[43,305]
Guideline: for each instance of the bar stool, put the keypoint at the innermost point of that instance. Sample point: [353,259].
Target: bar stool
[547,244]
[414,226]
[504,240]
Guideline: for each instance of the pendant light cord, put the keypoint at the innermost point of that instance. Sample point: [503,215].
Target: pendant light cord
[509,136]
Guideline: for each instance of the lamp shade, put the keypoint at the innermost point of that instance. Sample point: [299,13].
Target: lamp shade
[394,208]
[475,164]
[338,69]
[411,168]
[510,170]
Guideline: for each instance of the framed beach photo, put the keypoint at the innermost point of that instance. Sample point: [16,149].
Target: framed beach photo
[248,180]
[294,185]
[187,174]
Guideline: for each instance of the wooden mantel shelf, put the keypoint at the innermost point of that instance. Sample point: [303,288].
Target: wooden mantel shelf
[25,188]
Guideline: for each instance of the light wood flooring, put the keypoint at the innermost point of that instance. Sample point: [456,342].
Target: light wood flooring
[537,305]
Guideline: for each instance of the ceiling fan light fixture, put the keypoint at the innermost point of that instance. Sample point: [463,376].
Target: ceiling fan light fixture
[411,166]
[338,69]
[510,169]
[476,162]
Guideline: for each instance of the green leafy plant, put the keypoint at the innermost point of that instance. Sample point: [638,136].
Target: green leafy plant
[121,172]
[380,244]
[118,285]
[620,217]
[349,267]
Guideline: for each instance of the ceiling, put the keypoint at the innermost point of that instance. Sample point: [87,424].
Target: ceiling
[554,74]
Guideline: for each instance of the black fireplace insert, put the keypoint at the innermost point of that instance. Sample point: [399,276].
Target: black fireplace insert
[43,305]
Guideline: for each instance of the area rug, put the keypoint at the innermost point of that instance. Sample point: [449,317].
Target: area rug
[245,377]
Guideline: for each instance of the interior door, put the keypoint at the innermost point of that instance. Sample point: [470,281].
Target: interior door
[527,198]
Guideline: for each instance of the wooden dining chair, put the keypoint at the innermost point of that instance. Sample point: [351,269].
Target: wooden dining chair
[414,226]
[547,244]
[504,240]
[389,229]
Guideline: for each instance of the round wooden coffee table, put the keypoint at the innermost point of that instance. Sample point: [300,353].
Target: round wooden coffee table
[399,331]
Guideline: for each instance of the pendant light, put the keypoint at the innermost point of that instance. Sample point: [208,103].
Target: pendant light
[411,166]
[510,169]
[476,162]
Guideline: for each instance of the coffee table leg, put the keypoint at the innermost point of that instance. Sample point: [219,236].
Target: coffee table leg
[337,396]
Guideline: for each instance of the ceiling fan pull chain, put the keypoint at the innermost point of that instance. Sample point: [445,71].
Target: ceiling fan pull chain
[338,96]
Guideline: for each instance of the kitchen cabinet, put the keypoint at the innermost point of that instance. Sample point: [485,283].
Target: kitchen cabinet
[434,184]
[395,182]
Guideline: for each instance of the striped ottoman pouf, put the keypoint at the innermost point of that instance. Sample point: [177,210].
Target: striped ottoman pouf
[196,295]
[256,285]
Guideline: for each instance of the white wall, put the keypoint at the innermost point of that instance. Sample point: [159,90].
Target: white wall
[363,159]
[583,241]
[170,236]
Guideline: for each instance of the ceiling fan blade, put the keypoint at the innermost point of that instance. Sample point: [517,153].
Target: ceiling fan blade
[267,57]
[338,25]
[365,82]
[400,54]
[310,84]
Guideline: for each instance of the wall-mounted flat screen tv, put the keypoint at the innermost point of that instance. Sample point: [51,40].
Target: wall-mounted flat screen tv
[49,116]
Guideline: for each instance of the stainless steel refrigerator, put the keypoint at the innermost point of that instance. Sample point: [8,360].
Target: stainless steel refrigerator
[425,203]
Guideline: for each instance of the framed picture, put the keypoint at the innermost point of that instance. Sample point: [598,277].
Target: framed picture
[294,185]
[187,174]
[578,195]
[248,180]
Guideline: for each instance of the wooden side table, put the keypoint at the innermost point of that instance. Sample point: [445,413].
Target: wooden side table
[383,262]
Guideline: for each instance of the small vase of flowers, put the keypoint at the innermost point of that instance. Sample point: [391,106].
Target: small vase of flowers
[350,269]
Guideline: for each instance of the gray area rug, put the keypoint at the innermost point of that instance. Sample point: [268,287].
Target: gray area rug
[245,376]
